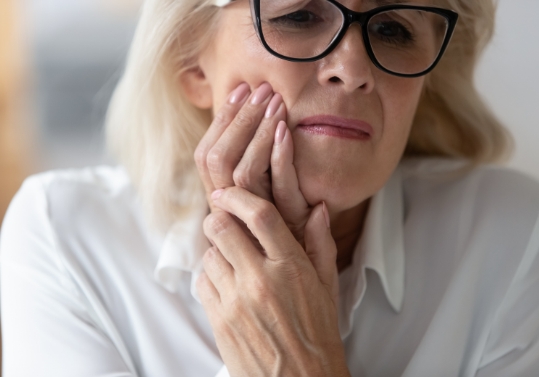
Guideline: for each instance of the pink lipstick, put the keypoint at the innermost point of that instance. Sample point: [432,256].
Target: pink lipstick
[331,125]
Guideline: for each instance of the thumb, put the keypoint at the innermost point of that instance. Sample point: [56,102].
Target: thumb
[321,249]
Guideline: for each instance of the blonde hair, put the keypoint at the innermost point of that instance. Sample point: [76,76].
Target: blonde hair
[153,130]
[452,120]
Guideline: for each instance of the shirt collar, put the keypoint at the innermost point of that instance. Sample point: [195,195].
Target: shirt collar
[182,250]
[381,248]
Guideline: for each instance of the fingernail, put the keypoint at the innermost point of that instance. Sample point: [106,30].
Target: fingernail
[280,133]
[261,94]
[216,194]
[239,94]
[326,214]
[274,105]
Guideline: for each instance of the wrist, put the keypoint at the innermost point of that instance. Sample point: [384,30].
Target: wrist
[332,364]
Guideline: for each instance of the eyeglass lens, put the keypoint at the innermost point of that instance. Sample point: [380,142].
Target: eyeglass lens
[404,41]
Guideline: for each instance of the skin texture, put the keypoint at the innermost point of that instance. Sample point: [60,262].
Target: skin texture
[341,172]
[270,280]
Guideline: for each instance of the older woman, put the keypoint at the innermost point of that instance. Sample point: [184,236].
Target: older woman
[265,221]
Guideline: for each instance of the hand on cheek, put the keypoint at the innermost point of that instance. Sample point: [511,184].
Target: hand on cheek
[248,137]
[273,313]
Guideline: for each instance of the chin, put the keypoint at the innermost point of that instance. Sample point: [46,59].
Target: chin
[339,194]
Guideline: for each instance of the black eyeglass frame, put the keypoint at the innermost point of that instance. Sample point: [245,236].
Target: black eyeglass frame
[362,18]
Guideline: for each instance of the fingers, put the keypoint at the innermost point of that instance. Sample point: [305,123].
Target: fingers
[221,121]
[227,152]
[233,242]
[209,296]
[262,219]
[252,173]
[219,271]
[236,149]
[287,195]
[321,249]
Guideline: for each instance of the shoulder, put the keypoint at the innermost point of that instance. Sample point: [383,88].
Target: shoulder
[484,191]
[478,230]
[71,192]
[64,205]
[75,184]
[487,213]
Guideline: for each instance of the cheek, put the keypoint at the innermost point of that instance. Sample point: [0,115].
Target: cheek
[246,60]
[400,98]
[344,174]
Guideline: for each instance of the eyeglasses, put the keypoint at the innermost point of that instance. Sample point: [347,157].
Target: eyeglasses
[403,40]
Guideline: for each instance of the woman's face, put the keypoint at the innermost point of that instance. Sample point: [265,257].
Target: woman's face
[343,172]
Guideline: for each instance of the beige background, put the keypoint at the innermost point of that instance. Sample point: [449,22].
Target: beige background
[13,121]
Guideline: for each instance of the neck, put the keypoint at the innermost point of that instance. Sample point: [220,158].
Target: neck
[346,229]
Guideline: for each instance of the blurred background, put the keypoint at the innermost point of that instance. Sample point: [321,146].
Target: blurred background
[60,60]
[59,63]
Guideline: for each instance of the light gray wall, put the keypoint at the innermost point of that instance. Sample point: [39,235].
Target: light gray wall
[78,49]
[509,78]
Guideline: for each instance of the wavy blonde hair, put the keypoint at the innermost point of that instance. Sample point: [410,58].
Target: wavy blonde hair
[153,130]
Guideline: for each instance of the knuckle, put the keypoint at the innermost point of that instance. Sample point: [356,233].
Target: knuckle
[260,289]
[293,273]
[223,116]
[245,119]
[262,135]
[207,259]
[217,223]
[200,157]
[298,230]
[291,270]
[215,160]
[282,194]
[243,177]
[264,215]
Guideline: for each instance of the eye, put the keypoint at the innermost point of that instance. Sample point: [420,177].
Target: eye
[298,19]
[391,31]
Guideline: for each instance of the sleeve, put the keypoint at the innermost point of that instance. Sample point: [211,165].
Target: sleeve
[512,348]
[47,328]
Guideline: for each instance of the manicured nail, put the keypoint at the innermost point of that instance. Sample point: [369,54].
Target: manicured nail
[216,194]
[281,132]
[261,94]
[274,105]
[239,94]
[326,214]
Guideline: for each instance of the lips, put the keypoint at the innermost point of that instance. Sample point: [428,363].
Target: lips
[330,125]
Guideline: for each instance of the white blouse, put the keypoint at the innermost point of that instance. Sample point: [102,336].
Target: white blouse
[444,281]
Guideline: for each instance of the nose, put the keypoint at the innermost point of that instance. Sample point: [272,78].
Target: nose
[349,65]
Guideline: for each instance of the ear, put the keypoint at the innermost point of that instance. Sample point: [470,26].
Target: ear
[197,88]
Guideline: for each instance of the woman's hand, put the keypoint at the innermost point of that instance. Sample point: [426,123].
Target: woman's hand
[273,313]
[239,150]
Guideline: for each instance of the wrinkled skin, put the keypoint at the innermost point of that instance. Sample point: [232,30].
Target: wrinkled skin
[270,280]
